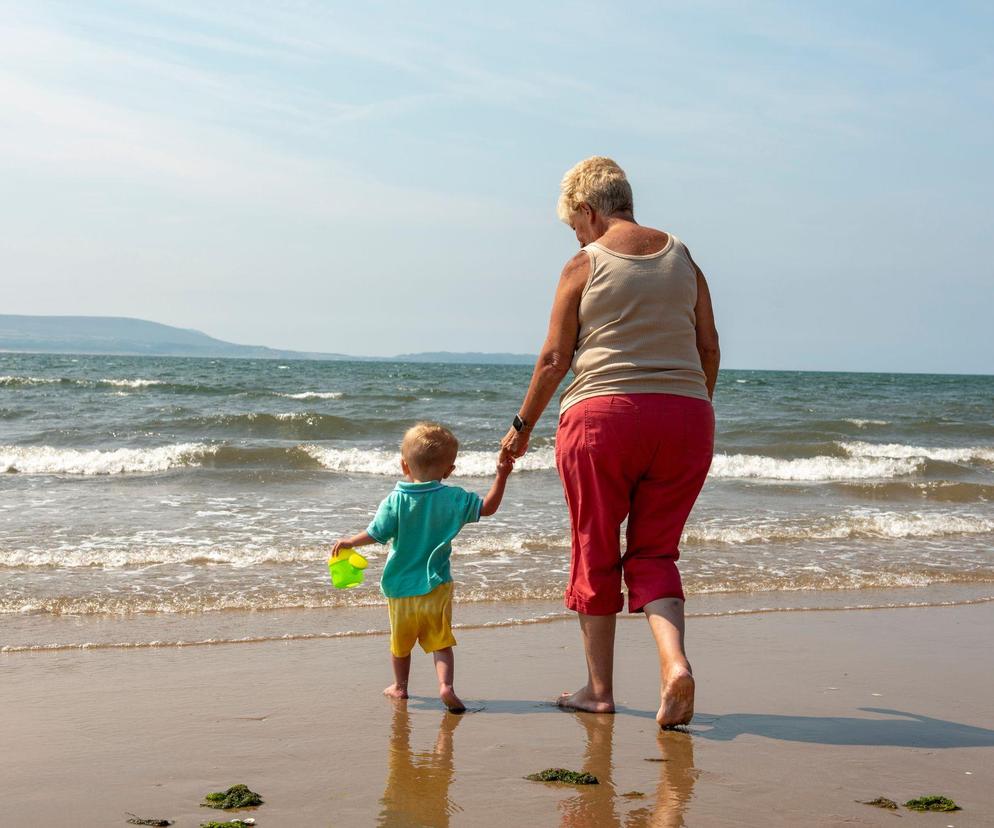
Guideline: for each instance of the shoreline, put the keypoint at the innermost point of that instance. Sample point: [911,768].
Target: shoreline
[799,715]
[140,631]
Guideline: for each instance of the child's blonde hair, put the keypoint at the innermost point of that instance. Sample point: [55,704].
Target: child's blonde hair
[429,449]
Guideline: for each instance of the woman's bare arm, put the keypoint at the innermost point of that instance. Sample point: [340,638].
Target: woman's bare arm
[557,353]
[707,331]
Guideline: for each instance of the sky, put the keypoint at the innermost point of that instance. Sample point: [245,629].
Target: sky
[378,178]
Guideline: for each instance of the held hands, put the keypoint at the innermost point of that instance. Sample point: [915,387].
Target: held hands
[505,464]
[514,444]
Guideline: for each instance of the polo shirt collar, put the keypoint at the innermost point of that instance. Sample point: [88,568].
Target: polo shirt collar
[418,488]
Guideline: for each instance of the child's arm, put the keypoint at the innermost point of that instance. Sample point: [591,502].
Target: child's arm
[491,503]
[362,539]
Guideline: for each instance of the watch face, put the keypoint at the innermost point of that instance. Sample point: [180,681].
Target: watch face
[518,423]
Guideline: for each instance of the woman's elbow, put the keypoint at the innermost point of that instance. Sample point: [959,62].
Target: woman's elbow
[554,365]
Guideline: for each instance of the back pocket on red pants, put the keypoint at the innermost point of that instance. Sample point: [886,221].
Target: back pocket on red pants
[610,426]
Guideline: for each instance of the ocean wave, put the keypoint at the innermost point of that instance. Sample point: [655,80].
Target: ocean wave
[494,552]
[863,525]
[813,469]
[387,462]
[165,386]
[179,552]
[379,461]
[130,383]
[49,460]
[313,395]
[968,454]
[864,423]
[944,491]
[283,425]
[13,382]
[165,600]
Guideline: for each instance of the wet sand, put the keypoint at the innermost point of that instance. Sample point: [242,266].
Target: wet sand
[799,715]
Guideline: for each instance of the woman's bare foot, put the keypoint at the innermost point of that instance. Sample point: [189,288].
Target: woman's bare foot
[677,707]
[585,701]
[395,691]
[450,699]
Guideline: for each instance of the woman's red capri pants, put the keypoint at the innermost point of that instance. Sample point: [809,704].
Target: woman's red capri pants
[640,456]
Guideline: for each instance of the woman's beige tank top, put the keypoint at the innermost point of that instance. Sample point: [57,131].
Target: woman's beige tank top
[637,326]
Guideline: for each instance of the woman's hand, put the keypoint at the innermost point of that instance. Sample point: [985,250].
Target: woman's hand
[515,443]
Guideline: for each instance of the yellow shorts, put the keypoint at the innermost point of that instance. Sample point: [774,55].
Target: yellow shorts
[424,619]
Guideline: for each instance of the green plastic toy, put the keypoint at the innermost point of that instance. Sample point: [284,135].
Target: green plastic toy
[346,569]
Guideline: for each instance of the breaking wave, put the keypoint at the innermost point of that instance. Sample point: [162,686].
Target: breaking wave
[387,462]
[49,460]
[984,454]
[313,395]
[814,469]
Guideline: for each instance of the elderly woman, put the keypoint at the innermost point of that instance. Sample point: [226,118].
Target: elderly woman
[632,315]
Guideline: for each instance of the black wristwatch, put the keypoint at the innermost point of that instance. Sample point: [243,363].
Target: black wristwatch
[518,423]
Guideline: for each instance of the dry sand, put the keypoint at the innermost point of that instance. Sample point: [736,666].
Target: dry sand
[799,715]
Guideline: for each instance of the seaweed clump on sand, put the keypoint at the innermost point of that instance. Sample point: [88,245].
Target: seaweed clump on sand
[880,802]
[567,777]
[237,796]
[932,803]
[137,820]
[233,823]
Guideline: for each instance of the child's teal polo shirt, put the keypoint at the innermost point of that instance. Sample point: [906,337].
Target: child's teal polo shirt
[421,519]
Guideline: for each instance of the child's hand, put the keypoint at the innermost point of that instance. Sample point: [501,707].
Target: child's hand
[505,464]
[337,546]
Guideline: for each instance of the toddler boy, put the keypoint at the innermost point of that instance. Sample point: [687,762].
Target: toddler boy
[421,516]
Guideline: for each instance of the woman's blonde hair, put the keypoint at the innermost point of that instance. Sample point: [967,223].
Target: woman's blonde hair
[597,181]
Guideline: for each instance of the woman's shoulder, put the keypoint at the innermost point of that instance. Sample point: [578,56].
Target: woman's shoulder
[577,269]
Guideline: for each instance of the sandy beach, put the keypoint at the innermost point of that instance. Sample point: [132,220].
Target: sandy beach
[800,715]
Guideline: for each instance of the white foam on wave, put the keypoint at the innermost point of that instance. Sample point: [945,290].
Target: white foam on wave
[51,460]
[114,383]
[130,383]
[291,416]
[859,524]
[856,421]
[179,551]
[387,462]
[901,451]
[314,395]
[11,380]
[731,466]
[813,469]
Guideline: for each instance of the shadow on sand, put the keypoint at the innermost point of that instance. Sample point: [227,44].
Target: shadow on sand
[900,729]
[906,730]
[516,706]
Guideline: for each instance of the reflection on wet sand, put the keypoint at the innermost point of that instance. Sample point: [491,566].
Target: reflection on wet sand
[417,790]
[604,805]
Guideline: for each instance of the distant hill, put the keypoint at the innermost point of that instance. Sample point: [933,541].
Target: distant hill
[121,335]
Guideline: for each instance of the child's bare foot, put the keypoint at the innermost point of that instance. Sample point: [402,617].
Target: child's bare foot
[395,692]
[450,699]
[583,699]
[677,707]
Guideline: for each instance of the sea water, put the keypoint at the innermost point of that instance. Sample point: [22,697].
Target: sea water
[149,499]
